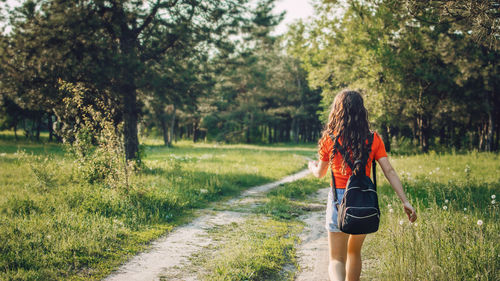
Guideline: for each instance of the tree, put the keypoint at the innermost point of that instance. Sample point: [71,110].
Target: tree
[478,19]
[108,44]
[416,74]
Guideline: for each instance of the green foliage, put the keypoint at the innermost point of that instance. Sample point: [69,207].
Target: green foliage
[95,141]
[43,169]
[420,78]
[480,18]
[122,48]
[260,94]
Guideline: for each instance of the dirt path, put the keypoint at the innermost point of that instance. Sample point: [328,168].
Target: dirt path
[169,253]
[313,251]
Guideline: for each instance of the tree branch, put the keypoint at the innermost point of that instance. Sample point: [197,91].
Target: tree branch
[152,14]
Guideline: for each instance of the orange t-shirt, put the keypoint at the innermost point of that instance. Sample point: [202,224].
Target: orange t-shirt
[325,149]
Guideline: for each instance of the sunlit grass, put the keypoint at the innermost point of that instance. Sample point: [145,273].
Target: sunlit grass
[55,227]
[451,193]
[256,249]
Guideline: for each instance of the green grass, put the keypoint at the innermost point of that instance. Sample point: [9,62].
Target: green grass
[288,201]
[451,193]
[54,227]
[445,243]
[256,249]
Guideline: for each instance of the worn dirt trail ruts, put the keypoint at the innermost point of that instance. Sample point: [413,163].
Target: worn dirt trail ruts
[168,254]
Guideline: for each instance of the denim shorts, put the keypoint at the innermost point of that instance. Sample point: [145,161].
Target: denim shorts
[331,210]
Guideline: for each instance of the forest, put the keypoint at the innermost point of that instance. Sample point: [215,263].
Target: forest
[212,70]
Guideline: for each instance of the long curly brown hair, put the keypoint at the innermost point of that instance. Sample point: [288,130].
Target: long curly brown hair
[348,120]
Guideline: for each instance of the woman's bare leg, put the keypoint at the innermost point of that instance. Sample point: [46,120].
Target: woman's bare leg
[337,243]
[353,266]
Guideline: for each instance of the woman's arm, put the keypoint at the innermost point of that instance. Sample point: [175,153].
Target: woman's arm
[393,179]
[318,168]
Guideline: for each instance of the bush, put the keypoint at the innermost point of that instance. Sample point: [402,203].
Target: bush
[96,140]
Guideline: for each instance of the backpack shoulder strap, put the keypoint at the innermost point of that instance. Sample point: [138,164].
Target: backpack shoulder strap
[374,164]
[334,150]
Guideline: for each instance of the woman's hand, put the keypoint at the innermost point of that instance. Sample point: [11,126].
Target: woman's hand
[410,211]
[313,165]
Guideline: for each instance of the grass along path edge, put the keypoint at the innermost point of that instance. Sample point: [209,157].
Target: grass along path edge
[173,250]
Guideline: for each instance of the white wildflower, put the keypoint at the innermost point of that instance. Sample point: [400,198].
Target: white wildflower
[446,201]
[401,222]
[391,210]
[493,196]
[479,222]
[465,209]
[389,205]
[445,208]
[203,191]
[493,202]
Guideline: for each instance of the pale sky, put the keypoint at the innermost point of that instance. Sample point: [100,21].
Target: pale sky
[295,9]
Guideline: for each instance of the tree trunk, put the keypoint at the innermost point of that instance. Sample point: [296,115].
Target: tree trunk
[426,134]
[49,126]
[295,130]
[130,116]
[424,127]
[269,135]
[491,124]
[33,127]
[26,134]
[38,126]
[497,138]
[442,135]
[172,124]
[195,130]
[15,129]
[386,137]
[480,132]
[164,130]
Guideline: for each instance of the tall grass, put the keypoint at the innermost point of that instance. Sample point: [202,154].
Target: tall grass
[457,234]
[53,226]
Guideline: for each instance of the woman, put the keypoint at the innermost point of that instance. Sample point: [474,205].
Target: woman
[348,121]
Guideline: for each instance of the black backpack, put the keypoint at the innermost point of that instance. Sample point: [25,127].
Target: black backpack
[358,213]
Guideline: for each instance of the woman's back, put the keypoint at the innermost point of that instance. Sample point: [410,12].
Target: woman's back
[343,172]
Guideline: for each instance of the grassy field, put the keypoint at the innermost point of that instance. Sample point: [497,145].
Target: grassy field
[456,236]
[55,227]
